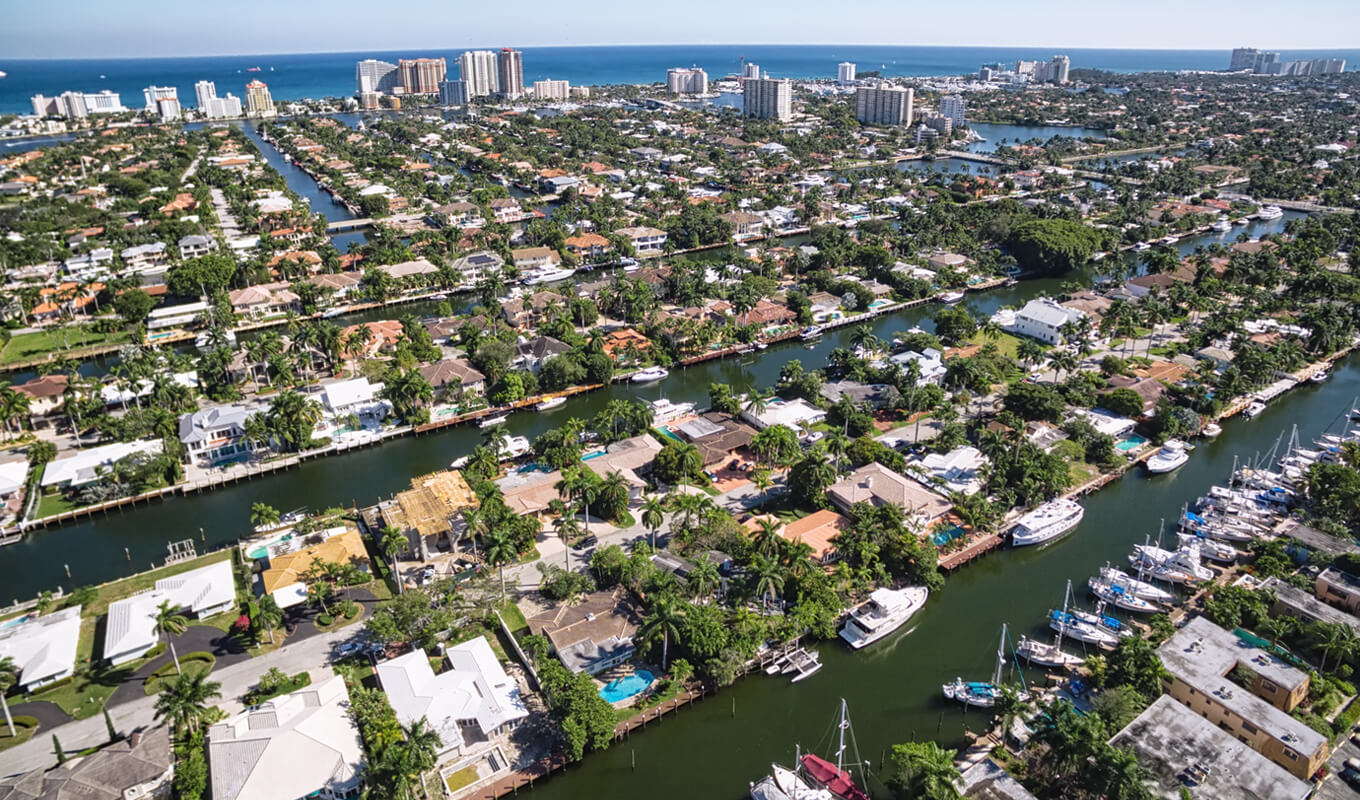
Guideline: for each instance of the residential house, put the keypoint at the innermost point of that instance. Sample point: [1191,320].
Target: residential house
[718,437]
[592,634]
[1220,357]
[88,466]
[1150,390]
[1178,748]
[407,269]
[506,210]
[138,767]
[301,744]
[631,458]
[876,484]
[1338,588]
[339,284]
[823,305]
[383,335]
[469,704]
[143,255]
[588,247]
[645,241]
[767,315]
[263,300]
[929,362]
[429,514]
[794,414]
[959,470]
[817,530]
[130,629]
[474,267]
[876,395]
[1246,691]
[986,780]
[530,354]
[532,258]
[458,215]
[196,245]
[529,493]
[45,394]
[625,343]
[1043,319]
[454,378]
[354,396]
[285,577]
[954,261]
[1300,605]
[745,225]
[42,648]
[212,434]
[523,312]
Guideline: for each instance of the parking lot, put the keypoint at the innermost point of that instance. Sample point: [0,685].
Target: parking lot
[1335,787]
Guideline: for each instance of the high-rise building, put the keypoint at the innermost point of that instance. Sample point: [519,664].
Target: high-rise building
[1058,68]
[552,90]
[167,108]
[686,81]
[214,107]
[372,75]
[954,109]
[105,102]
[750,71]
[845,73]
[883,104]
[510,72]
[155,94]
[479,69]
[258,101]
[421,75]
[1243,58]
[453,93]
[767,98]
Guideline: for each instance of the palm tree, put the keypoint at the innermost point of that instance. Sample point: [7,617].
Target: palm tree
[579,485]
[766,536]
[757,400]
[762,480]
[1335,638]
[170,623]
[926,771]
[769,578]
[567,527]
[268,614]
[653,516]
[393,543]
[704,578]
[184,701]
[500,550]
[14,408]
[663,619]
[9,674]
[263,515]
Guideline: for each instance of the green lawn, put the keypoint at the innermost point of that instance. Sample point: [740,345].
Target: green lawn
[85,694]
[55,503]
[28,346]
[1006,343]
[514,618]
[199,662]
[462,778]
[23,729]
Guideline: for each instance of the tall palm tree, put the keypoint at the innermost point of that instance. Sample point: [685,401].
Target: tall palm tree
[9,674]
[500,550]
[579,485]
[567,527]
[170,623]
[704,578]
[393,543]
[766,536]
[663,619]
[769,578]
[926,771]
[653,516]
[184,701]
[268,614]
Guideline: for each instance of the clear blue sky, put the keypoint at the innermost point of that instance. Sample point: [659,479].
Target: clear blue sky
[139,28]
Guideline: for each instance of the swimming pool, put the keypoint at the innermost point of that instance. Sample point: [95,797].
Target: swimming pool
[944,536]
[879,304]
[1133,442]
[630,686]
[668,433]
[10,623]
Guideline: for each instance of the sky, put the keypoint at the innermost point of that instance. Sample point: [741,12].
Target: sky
[146,28]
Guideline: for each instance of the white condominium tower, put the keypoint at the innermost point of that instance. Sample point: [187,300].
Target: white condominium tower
[258,101]
[155,94]
[845,73]
[214,107]
[510,72]
[953,108]
[750,71]
[767,98]
[479,69]
[372,75]
[883,104]
[686,81]
[552,90]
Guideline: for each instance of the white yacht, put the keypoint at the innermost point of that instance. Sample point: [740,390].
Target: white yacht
[491,422]
[649,375]
[1211,548]
[1211,431]
[811,332]
[1135,586]
[886,611]
[1120,598]
[1047,522]
[1269,212]
[784,784]
[1074,628]
[547,275]
[1047,654]
[1142,247]
[551,403]
[1254,409]
[982,694]
[950,298]
[663,410]
[514,447]
[1173,455]
[1222,226]
[1169,240]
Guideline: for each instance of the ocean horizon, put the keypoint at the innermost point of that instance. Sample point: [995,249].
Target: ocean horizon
[293,76]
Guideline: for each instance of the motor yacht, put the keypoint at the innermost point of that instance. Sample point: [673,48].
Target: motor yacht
[649,375]
[886,611]
[550,404]
[1269,212]
[1047,522]
[1173,455]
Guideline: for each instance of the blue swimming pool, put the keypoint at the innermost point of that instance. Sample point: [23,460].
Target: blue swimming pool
[630,686]
[1133,442]
[944,536]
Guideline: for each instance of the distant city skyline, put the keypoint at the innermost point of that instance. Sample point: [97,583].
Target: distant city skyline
[151,28]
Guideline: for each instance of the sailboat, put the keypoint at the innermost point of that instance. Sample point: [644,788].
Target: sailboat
[786,784]
[982,695]
[1048,655]
[834,777]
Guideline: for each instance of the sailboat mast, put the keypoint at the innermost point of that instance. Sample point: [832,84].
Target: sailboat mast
[1000,657]
[1067,596]
[840,749]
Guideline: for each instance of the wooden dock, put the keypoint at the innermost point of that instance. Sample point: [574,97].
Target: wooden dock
[973,551]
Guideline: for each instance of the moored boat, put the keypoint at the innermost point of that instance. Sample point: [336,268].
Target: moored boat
[1211,431]
[649,375]
[1173,455]
[1135,586]
[950,298]
[835,778]
[551,403]
[1270,212]
[1047,654]
[811,332]
[1119,597]
[491,422]
[981,694]
[886,611]
[1047,522]
[1254,409]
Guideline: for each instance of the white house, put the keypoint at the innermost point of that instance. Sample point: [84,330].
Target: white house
[13,476]
[196,245]
[473,700]
[353,396]
[131,624]
[789,413]
[646,241]
[302,744]
[930,362]
[957,470]
[83,466]
[1107,422]
[43,648]
[1043,319]
[214,433]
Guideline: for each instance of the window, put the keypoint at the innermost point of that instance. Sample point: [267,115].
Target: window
[1248,727]
[1290,754]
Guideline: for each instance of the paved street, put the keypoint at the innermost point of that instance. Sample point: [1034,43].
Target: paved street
[1333,787]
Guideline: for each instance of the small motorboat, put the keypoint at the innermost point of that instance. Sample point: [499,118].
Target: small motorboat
[550,404]
[1142,247]
[649,375]
[1254,409]
[1211,431]
[811,332]
[491,422]
[1320,376]
[950,298]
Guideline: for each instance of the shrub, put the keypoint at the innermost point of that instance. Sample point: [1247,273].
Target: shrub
[324,619]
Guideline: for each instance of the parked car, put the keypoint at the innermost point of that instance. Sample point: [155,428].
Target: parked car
[588,542]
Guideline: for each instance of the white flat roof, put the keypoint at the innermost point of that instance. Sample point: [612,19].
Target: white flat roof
[82,467]
[131,624]
[44,647]
[12,476]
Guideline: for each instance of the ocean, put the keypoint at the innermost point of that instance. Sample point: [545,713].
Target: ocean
[299,75]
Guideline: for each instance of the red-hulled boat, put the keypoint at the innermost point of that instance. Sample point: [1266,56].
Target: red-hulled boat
[837,781]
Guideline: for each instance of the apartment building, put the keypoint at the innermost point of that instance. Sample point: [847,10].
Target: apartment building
[883,104]
[258,101]
[479,68]
[421,75]
[552,90]
[767,98]
[1245,691]
[686,81]
[510,72]
[374,76]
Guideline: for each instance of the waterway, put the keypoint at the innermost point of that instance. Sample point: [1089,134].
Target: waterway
[997,134]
